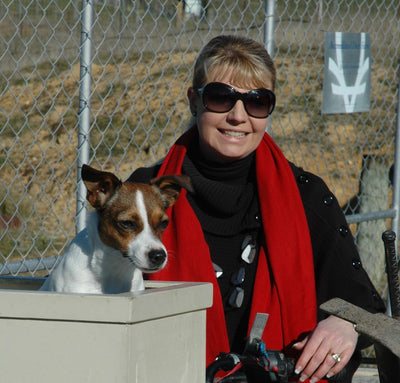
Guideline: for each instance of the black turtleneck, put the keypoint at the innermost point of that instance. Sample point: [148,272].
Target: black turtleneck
[226,203]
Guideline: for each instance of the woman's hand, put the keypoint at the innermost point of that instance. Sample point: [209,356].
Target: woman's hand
[332,338]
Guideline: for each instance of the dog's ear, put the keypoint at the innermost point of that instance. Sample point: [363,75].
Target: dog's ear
[100,185]
[170,187]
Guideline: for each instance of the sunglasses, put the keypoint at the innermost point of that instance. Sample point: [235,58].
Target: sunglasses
[237,295]
[249,251]
[221,98]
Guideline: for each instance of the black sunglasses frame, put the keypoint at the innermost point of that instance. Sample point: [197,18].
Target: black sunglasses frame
[233,96]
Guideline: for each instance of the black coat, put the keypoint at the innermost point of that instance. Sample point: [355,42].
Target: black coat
[338,268]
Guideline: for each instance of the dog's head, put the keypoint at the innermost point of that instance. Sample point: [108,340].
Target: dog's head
[132,216]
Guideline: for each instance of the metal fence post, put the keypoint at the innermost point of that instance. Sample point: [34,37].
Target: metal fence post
[269,25]
[396,166]
[396,182]
[84,108]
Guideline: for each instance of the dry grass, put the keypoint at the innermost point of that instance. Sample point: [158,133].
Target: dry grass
[138,108]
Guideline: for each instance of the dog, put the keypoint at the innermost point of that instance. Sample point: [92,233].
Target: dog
[122,239]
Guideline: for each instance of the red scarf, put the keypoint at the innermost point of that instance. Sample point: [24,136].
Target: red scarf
[284,285]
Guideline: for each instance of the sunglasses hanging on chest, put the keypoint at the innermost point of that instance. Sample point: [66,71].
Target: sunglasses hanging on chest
[248,254]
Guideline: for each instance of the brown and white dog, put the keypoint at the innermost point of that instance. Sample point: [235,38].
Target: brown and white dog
[122,238]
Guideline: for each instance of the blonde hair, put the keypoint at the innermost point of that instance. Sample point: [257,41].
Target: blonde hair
[246,61]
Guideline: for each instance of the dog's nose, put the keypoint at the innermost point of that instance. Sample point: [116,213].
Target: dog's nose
[157,257]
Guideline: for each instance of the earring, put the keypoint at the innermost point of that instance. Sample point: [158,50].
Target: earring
[194,114]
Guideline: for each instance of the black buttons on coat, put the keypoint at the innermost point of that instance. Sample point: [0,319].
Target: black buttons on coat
[303,179]
[356,263]
[328,200]
[375,295]
[344,230]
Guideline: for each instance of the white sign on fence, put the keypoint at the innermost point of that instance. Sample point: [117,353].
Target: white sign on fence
[193,7]
[347,73]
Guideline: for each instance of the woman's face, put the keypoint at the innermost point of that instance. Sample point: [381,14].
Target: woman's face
[226,136]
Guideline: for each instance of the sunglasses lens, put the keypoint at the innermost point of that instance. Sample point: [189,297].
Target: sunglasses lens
[218,97]
[236,298]
[221,98]
[238,277]
[237,295]
[259,103]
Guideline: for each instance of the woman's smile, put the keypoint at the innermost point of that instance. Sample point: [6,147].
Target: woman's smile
[232,133]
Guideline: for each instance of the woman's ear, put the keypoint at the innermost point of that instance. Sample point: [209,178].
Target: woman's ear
[192,97]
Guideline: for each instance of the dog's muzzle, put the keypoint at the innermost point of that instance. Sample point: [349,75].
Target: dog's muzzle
[153,261]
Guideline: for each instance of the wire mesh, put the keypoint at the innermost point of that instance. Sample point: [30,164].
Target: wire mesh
[142,55]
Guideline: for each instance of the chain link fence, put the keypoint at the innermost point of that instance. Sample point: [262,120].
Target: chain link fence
[120,102]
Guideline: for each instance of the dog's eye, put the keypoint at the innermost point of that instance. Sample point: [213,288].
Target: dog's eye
[128,225]
[163,224]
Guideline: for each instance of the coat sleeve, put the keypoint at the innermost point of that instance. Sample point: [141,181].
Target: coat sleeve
[338,268]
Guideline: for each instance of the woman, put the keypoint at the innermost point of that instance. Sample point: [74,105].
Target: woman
[269,236]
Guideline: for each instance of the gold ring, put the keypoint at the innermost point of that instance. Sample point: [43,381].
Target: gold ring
[336,357]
